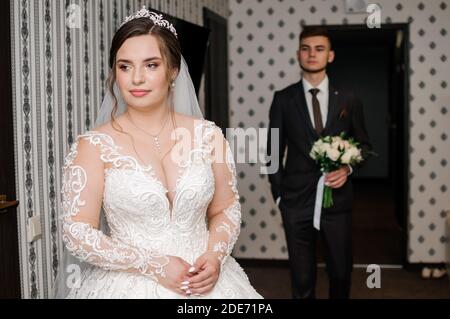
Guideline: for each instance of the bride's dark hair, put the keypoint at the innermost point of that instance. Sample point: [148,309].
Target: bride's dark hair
[168,45]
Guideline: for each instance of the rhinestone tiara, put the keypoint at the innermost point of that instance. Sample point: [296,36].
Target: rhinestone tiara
[157,19]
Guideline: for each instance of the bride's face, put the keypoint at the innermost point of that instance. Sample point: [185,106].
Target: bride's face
[141,72]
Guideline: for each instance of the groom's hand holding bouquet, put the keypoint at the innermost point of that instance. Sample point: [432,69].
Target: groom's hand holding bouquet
[334,154]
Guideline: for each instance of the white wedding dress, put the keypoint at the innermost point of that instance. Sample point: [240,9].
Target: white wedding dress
[143,228]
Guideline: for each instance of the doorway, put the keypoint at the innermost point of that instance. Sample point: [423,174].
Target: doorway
[373,63]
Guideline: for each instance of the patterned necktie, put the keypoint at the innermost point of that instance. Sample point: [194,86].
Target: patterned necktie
[316,110]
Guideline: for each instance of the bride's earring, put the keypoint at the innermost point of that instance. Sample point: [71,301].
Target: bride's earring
[172,85]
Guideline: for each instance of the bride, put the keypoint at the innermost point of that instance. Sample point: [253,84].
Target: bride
[149,197]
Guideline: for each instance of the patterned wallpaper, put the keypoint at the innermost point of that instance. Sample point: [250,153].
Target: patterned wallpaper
[263,42]
[59,78]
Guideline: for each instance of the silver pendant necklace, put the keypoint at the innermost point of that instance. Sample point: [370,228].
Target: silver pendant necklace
[155,137]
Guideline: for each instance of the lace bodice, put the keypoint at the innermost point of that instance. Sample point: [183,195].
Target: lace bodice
[144,227]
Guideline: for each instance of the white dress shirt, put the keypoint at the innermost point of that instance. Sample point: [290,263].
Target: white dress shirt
[322,96]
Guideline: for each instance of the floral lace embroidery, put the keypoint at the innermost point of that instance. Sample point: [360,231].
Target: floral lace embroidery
[231,215]
[91,245]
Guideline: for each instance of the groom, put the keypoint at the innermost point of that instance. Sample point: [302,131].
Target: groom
[302,113]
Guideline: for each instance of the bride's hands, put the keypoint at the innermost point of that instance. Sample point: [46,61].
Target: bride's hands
[177,275]
[208,270]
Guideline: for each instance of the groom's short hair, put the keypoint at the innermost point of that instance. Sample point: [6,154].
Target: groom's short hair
[314,32]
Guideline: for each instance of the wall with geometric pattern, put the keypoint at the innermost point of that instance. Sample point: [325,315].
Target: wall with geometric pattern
[263,44]
[58,84]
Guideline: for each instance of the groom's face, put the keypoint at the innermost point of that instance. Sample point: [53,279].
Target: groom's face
[314,54]
[141,72]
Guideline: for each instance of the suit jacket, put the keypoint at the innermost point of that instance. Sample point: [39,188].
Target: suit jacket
[296,181]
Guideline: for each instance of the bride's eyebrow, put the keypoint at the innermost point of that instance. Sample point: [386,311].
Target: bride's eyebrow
[155,58]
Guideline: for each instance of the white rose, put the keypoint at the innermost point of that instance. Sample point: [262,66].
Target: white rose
[346,145]
[333,154]
[339,145]
[345,159]
[316,149]
[356,151]
[335,145]
[326,147]
[355,154]
[314,152]
[316,146]
[336,139]
[321,146]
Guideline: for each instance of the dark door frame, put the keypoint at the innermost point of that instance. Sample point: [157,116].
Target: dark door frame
[399,129]
[7,176]
[216,82]
[9,250]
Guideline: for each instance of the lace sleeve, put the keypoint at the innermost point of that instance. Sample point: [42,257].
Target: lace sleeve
[224,211]
[82,194]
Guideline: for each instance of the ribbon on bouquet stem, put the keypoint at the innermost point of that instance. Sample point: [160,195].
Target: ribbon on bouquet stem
[318,204]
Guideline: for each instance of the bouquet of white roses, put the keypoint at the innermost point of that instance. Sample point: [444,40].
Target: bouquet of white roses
[332,152]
